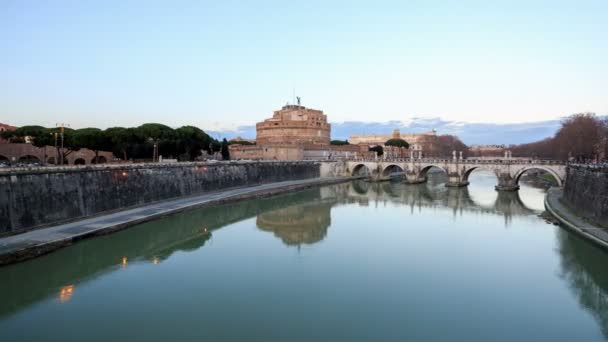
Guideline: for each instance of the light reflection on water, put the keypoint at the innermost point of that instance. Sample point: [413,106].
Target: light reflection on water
[355,261]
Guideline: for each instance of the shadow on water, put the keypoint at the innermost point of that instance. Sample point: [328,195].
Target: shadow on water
[583,269]
[150,242]
[298,218]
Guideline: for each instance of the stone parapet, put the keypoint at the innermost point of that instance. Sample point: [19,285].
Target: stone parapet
[30,198]
[586,192]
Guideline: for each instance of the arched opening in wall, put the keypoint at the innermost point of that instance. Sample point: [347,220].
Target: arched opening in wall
[393,171]
[28,159]
[79,161]
[482,181]
[434,174]
[538,177]
[4,160]
[361,170]
[533,184]
[99,160]
[50,160]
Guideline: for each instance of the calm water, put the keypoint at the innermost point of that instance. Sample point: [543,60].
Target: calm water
[356,261]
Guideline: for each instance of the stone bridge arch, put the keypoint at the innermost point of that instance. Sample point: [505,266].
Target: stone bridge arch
[361,170]
[458,171]
[559,179]
[392,169]
[468,171]
[416,174]
[28,158]
[425,169]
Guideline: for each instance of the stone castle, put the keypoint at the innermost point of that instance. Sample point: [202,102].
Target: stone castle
[298,133]
[293,133]
[294,125]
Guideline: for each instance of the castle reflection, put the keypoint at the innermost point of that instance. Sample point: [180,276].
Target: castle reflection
[295,219]
[308,222]
[296,225]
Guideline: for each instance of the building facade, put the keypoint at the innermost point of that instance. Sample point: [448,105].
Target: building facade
[418,142]
[28,153]
[294,125]
[293,133]
[4,128]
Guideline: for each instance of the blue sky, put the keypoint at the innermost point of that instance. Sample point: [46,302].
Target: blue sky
[217,64]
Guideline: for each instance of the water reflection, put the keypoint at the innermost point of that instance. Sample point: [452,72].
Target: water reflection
[66,293]
[294,219]
[298,224]
[299,218]
[433,195]
[583,268]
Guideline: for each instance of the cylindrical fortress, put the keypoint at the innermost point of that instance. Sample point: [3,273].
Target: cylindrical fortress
[294,125]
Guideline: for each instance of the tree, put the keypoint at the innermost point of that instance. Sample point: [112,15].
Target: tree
[38,135]
[581,137]
[155,131]
[445,144]
[339,142]
[94,139]
[64,148]
[224,150]
[397,142]
[190,141]
[378,149]
[543,149]
[122,141]
[156,135]
[214,146]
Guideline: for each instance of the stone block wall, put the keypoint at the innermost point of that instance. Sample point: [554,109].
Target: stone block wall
[586,191]
[36,197]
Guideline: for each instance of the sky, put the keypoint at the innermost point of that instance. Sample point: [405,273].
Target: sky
[221,64]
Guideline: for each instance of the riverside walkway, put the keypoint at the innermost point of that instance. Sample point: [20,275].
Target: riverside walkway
[571,221]
[44,240]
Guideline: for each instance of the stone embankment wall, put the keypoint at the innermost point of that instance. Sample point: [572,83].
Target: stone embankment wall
[586,191]
[31,198]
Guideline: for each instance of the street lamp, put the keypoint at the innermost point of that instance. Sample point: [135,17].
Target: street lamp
[62,129]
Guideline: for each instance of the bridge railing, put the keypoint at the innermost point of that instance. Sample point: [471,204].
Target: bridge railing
[468,161]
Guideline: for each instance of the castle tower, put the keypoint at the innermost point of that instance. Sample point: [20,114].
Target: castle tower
[294,125]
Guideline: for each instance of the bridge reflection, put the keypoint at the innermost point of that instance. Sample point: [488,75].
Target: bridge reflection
[295,219]
[459,200]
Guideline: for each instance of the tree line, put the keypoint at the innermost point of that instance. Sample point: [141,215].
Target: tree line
[581,137]
[185,143]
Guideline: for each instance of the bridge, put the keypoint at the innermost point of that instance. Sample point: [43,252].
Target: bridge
[413,171]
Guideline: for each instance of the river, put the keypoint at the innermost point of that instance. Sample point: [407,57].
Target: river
[349,262]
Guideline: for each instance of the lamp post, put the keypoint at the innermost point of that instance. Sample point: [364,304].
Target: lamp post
[62,130]
[155,153]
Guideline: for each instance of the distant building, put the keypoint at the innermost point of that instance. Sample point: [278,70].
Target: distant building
[28,153]
[25,152]
[240,140]
[416,141]
[3,128]
[294,133]
[487,150]
[294,125]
